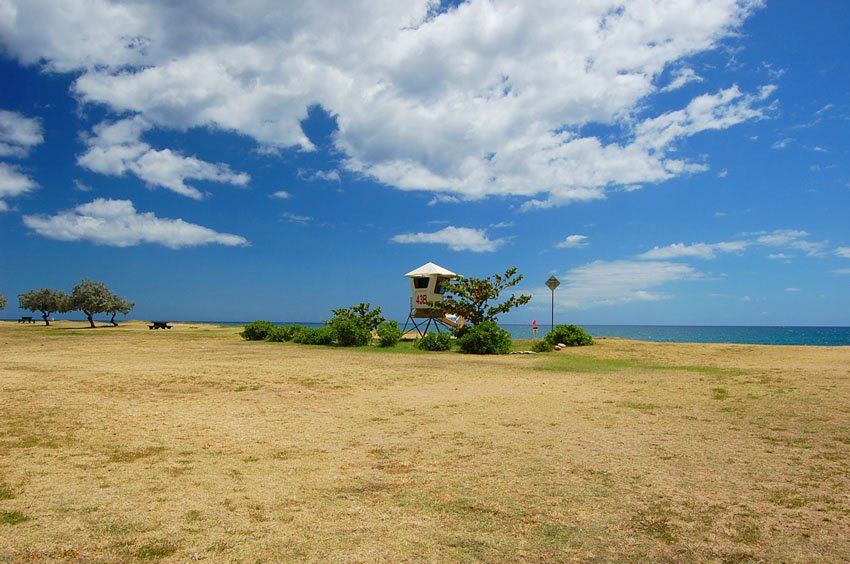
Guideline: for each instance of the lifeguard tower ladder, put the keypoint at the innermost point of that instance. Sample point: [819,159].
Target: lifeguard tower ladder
[426,287]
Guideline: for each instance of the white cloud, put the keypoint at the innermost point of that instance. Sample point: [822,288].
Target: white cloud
[326,175]
[81,186]
[18,134]
[782,144]
[682,77]
[13,183]
[843,252]
[792,289]
[603,283]
[787,238]
[484,99]
[281,195]
[792,239]
[457,239]
[779,256]
[116,148]
[841,271]
[295,218]
[573,242]
[695,250]
[116,223]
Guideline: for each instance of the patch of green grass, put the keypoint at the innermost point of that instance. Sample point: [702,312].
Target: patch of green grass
[156,550]
[643,407]
[786,497]
[133,455]
[566,362]
[655,522]
[719,393]
[6,493]
[555,534]
[12,517]
[746,532]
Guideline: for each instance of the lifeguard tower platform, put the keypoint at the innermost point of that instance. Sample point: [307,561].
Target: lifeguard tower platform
[426,288]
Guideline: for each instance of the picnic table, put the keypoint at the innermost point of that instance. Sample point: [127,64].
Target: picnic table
[26,320]
[159,325]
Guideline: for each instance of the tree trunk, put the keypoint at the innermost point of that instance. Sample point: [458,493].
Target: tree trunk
[89,316]
[113,322]
[45,315]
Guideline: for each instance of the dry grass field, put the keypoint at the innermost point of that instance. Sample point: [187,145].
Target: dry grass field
[124,444]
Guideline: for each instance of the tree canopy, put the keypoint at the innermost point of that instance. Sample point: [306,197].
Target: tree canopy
[3,301]
[117,305]
[471,297]
[45,300]
[92,297]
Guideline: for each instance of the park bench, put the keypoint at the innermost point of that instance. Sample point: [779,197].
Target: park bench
[159,325]
[26,320]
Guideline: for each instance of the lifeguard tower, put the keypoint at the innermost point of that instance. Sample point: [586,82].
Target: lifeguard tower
[426,287]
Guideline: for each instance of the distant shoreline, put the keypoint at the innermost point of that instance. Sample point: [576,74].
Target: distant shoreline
[718,334]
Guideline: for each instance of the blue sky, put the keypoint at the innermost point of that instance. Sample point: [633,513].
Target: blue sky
[678,162]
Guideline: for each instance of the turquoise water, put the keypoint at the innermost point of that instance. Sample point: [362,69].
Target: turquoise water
[820,336]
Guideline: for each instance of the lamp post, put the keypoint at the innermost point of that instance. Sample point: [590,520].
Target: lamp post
[553,283]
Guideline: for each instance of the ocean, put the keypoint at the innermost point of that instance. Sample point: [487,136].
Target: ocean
[812,336]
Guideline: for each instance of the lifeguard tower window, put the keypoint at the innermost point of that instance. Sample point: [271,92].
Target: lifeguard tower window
[420,283]
[439,289]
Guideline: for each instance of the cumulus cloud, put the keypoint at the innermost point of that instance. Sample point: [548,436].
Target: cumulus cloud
[573,242]
[606,283]
[18,134]
[281,195]
[695,250]
[457,239]
[13,182]
[791,239]
[843,252]
[326,175]
[116,148]
[785,238]
[465,102]
[116,223]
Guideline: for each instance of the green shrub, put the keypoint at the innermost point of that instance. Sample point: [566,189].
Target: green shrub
[542,346]
[389,334]
[276,334]
[289,331]
[351,332]
[485,338]
[435,342]
[569,335]
[314,336]
[257,330]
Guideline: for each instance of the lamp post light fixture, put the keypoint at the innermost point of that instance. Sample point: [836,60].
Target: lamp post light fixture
[553,283]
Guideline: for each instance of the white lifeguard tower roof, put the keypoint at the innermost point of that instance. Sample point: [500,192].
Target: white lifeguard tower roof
[429,269]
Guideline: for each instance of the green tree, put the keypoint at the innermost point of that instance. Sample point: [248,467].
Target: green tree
[45,300]
[471,297]
[3,301]
[91,297]
[118,305]
[362,312]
